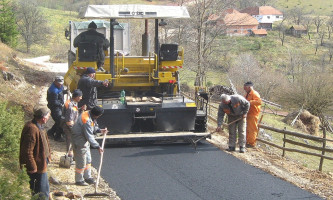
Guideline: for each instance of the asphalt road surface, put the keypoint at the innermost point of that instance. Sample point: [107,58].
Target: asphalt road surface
[178,172]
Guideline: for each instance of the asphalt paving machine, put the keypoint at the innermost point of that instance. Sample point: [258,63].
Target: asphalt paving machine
[143,101]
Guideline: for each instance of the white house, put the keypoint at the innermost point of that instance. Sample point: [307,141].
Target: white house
[266,15]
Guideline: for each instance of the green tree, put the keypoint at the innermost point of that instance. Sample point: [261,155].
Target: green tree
[8,27]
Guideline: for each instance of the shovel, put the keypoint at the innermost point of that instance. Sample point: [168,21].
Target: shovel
[66,161]
[98,176]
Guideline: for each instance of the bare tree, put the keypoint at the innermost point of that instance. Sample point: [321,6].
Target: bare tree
[321,36]
[307,21]
[330,54]
[296,15]
[31,23]
[318,21]
[312,90]
[317,45]
[329,25]
[282,31]
[202,34]
[266,80]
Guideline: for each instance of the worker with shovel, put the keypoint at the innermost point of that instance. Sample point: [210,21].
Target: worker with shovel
[83,137]
[236,107]
[71,114]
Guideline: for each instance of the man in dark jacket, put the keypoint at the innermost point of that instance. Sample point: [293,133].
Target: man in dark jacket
[94,37]
[87,84]
[55,99]
[35,152]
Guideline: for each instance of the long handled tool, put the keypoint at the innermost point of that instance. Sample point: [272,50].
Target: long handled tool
[98,175]
[224,124]
[194,142]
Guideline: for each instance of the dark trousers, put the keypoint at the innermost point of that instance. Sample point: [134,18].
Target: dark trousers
[39,184]
[56,129]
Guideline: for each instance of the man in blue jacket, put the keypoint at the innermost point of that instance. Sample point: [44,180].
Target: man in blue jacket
[55,99]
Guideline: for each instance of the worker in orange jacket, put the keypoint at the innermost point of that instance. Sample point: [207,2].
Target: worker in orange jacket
[253,115]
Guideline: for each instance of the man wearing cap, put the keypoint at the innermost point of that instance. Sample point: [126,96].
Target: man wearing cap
[55,101]
[94,37]
[236,107]
[70,114]
[83,137]
[35,152]
[252,116]
[87,84]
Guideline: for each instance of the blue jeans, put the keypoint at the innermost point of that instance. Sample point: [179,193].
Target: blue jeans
[39,184]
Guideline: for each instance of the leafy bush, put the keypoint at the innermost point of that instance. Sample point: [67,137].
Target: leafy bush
[14,186]
[13,181]
[11,123]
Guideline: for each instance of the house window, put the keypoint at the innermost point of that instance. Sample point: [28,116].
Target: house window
[277,17]
[235,31]
[268,17]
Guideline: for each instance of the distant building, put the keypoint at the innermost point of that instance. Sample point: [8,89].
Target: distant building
[266,15]
[298,30]
[259,33]
[236,23]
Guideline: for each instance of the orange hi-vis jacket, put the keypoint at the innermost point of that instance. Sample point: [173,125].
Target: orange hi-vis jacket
[255,102]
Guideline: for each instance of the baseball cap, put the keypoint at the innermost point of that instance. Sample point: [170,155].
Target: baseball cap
[59,79]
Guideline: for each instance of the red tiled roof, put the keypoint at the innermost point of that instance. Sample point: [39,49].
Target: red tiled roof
[262,10]
[233,17]
[260,32]
[240,19]
[269,10]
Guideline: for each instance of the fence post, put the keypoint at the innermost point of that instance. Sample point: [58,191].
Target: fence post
[284,143]
[323,152]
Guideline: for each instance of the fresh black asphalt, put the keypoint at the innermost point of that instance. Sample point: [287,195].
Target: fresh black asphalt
[178,172]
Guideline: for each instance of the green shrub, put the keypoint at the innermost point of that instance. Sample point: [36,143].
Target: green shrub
[13,181]
[14,186]
[11,123]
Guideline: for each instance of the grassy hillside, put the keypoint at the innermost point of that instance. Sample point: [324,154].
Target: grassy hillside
[319,7]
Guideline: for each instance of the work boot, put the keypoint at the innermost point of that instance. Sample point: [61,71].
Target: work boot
[249,146]
[241,149]
[81,183]
[90,181]
[101,69]
[231,149]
